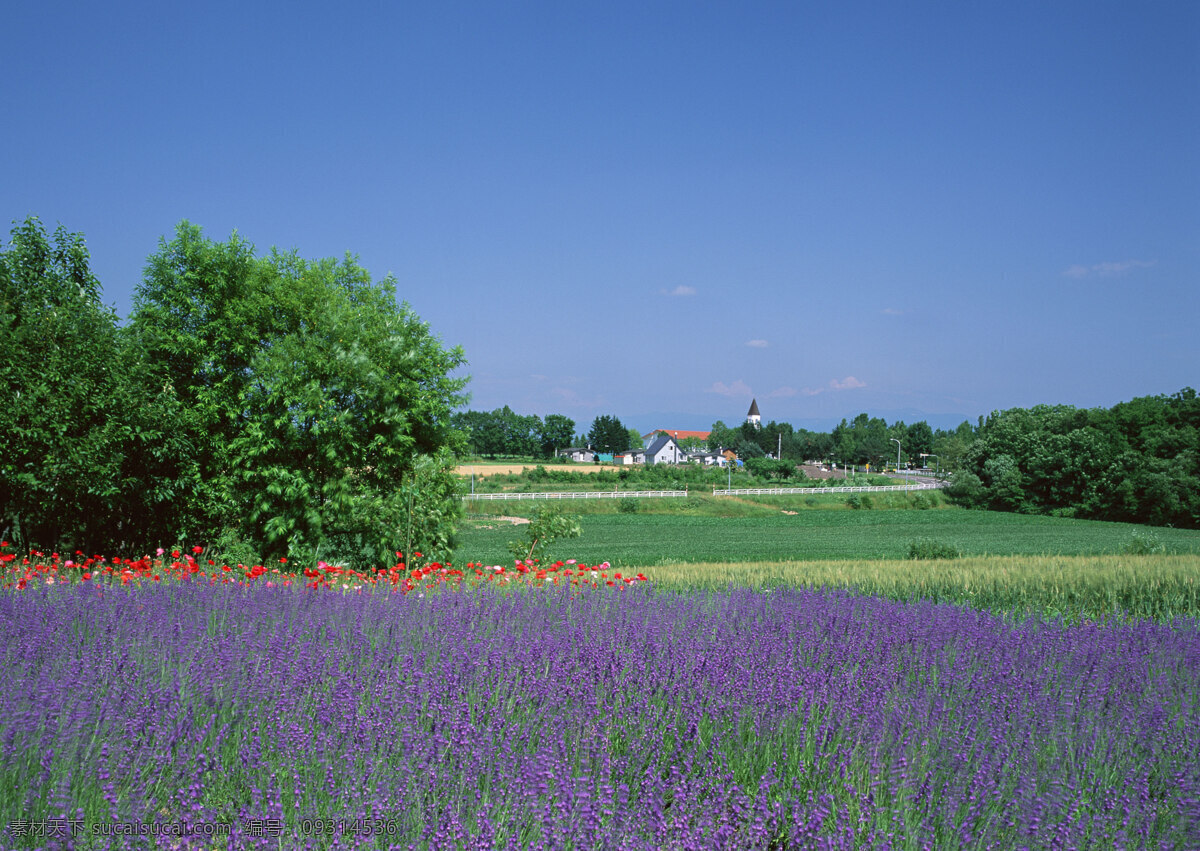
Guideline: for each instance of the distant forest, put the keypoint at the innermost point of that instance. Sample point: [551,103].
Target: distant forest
[1138,461]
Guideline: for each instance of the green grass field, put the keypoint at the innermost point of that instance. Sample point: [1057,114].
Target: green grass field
[645,540]
[1075,588]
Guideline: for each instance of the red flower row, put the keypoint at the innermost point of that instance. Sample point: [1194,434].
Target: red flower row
[39,568]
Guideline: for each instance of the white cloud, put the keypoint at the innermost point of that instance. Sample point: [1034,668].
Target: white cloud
[782,392]
[757,344]
[893,311]
[738,388]
[847,383]
[680,290]
[1106,269]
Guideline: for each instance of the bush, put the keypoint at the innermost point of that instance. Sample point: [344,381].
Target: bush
[1143,544]
[966,489]
[857,501]
[929,548]
[627,505]
[548,525]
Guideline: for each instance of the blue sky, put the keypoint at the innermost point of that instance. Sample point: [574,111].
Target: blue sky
[662,210]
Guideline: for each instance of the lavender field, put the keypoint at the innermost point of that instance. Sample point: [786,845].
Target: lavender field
[612,718]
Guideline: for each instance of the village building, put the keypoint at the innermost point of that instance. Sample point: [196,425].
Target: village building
[575,453]
[678,434]
[665,450]
[632,456]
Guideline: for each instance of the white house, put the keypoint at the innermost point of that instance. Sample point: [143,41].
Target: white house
[665,450]
[633,456]
[575,454]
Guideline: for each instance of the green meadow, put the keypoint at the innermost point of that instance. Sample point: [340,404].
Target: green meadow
[1076,570]
[641,540]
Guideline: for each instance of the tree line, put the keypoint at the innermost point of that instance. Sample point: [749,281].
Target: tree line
[265,406]
[1138,461]
[504,434]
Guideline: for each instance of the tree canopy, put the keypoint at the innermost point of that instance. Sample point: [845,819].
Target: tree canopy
[503,432]
[275,404]
[608,435]
[1138,461]
[60,434]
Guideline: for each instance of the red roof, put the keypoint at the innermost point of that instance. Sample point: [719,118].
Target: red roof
[679,434]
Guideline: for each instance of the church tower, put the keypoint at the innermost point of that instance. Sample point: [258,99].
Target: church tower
[752,415]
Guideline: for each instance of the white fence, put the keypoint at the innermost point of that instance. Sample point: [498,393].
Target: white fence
[577,495]
[923,486]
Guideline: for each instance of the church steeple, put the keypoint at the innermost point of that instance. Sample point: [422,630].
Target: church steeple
[752,416]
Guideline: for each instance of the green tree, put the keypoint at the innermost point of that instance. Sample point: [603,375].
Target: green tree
[951,446]
[330,403]
[608,435]
[722,437]
[474,426]
[549,524]
[200,317]
[61,428]
[747,448]
[635,439]
[557,433]
[966,489]
[1002,476]
[918,439]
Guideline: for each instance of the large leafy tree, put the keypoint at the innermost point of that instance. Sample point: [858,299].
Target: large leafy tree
[60,366]
[722,437]
[317,408]
[200,316]
[557,433]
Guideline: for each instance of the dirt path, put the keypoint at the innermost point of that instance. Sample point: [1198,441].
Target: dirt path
[515,521]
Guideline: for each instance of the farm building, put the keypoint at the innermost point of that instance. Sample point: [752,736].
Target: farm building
[678,434]
[633,456]
[576,454]
[665,450]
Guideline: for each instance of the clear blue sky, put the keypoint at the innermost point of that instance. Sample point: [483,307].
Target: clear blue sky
[659,210]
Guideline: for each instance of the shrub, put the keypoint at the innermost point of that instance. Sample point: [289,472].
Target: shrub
[1143,544]
[857,501]
[930,548]
[627,505]
[966,489]
[549,524]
